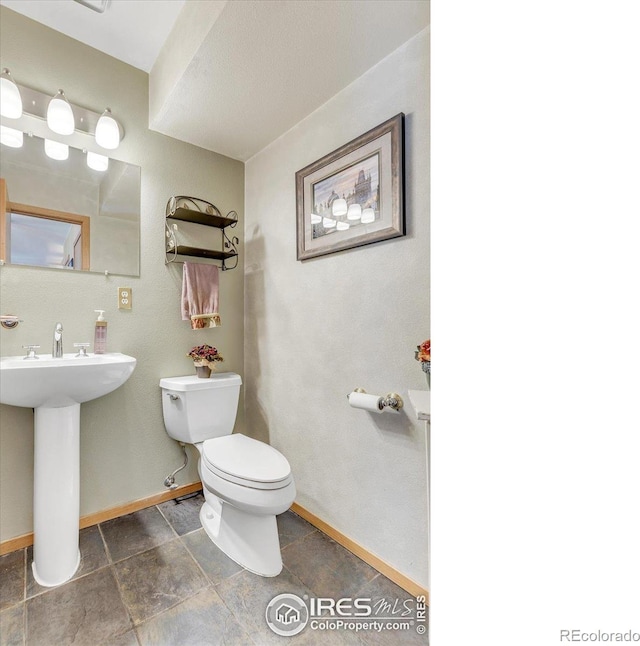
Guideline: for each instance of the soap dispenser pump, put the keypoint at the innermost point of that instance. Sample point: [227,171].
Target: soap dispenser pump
[100,339]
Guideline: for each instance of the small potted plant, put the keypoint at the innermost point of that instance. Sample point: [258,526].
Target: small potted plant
[204,359]
[423,355]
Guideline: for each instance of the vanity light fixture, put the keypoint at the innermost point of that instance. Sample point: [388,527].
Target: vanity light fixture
[60,115]
[107,131]
[97,162]
[10,99]
[11,137]
[32,107]
[56,150]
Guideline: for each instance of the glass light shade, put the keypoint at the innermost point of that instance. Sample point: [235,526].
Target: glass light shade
[10,99]
[60,115]
[11,137]
[354,212]
[56,150]
[97,162]
[328,223]
[368,215]
[343,226]
[315,219]
[339,207]
[107,131]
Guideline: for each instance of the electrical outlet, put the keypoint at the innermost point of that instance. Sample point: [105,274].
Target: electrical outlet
[125,298]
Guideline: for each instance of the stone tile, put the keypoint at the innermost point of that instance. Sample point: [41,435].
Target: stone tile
[158,579]
[291,527]
[390,600]
[201,620]
[214,562]
[135,533]
[92,557]
[247,596]
[127,639]
[325,567]
[12,573]
[86,611]
[12,626]
[183,516]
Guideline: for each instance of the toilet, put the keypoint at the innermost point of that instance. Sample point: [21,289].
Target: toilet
[246,482]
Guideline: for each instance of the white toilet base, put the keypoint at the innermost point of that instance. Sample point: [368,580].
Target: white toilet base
[250,540]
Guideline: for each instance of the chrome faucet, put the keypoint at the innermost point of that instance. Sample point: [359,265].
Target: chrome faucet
[56,352]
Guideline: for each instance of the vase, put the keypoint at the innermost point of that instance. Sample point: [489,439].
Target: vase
[426,368]
[202,370]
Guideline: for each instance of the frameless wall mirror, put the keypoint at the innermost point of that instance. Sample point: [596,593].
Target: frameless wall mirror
[62,214]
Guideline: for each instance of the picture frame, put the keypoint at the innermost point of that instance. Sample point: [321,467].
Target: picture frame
[353,196]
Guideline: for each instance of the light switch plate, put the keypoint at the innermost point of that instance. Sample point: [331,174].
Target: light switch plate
[125,298]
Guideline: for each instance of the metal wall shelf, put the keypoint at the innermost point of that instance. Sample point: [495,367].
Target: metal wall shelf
[182,250]
[197,211]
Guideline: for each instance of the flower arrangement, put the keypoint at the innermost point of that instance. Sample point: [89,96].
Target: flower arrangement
[205,355]
[423,355]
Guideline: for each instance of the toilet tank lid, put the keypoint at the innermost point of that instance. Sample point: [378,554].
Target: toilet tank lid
[193,382]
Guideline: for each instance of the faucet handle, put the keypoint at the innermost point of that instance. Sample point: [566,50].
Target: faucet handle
[31,351]
[82,352]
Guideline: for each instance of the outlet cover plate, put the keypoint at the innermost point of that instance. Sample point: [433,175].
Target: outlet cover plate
[125,298]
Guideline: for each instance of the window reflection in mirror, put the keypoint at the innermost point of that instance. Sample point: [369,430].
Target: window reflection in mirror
[47,239]
[63,214]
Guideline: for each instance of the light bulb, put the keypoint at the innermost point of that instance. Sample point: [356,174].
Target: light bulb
[56,150]
[315,219]
[107,131]
[354,212]
[11,137]
[97,162]
[368,216]
[10,99]
[342,226]
[339,207]
[60,115]
[328,223]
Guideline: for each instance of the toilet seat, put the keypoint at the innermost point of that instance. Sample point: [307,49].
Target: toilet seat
[247,462]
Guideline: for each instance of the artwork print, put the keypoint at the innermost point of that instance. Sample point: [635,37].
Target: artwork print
[358,185]
[353,196]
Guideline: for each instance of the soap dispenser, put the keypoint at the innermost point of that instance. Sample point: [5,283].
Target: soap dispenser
[100,339]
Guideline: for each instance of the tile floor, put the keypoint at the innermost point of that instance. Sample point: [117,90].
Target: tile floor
[155,578]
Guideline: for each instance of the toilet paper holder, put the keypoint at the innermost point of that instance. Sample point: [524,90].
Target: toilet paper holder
[390,400]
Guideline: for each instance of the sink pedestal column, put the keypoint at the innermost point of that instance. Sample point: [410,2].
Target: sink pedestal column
[56,494]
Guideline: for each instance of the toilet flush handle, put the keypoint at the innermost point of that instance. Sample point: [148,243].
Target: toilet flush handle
[173,397]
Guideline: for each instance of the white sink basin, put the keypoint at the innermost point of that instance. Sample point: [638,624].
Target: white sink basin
[55,388]
[53,383]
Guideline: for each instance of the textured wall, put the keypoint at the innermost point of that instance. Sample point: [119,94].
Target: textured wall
[318,329]
[125,452]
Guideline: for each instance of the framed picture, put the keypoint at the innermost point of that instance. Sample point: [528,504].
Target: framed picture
[353,196]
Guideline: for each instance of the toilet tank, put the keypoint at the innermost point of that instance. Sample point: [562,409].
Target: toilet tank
[197,409]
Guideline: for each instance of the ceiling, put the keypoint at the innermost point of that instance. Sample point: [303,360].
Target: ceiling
[121,31]
[237,74]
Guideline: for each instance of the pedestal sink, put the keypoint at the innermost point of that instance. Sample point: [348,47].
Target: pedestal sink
[55,388]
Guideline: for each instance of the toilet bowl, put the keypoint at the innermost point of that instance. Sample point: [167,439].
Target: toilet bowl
[240,508]
[246,483]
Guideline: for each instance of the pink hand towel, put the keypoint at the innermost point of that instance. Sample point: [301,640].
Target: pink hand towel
[200,295]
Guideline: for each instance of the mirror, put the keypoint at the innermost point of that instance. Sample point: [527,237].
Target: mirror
[62,214]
